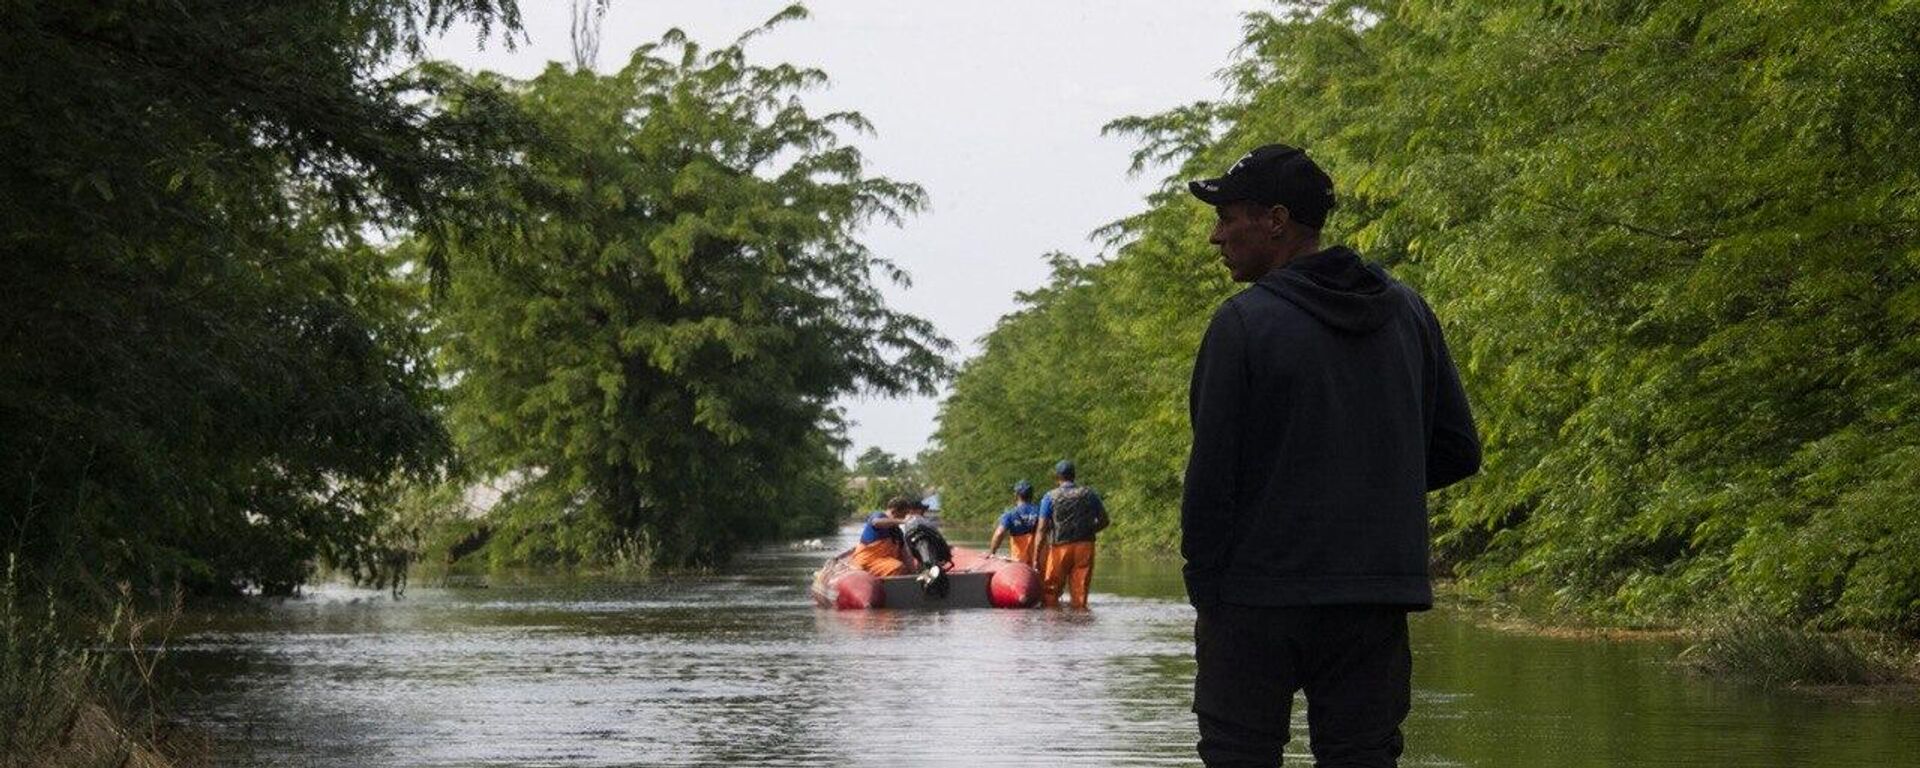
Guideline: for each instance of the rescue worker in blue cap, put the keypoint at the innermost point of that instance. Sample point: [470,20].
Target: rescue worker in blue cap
[1016,526]
[1070,516]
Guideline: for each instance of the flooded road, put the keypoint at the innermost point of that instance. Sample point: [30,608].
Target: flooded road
[740,669]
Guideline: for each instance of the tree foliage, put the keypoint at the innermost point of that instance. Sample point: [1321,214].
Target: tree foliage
[1673,241]
[649,340]
[877,462]
[206,365]
[879,477]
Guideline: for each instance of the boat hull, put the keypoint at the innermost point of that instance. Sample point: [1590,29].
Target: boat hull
[976,581]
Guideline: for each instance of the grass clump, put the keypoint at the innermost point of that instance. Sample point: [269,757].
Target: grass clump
[40,677]
[1777,653]
[78,692]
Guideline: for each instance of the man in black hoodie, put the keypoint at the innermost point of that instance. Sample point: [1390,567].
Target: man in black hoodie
[1325,406]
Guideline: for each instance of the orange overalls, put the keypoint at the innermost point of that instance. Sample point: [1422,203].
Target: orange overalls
[1021,548]
[880,557]
[1069,565]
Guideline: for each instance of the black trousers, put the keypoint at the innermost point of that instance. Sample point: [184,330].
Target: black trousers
[1353,661]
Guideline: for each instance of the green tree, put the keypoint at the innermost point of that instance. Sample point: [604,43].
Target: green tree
[650,343]
[876,462]
[205,366]
[1028,399]
[1674,244]
[879,477]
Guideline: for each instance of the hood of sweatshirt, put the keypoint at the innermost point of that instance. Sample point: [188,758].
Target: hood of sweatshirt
[1336,288]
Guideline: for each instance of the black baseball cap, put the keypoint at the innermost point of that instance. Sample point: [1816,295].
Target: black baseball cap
[1275,174]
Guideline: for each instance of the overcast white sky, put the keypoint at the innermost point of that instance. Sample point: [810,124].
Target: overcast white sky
[994,106]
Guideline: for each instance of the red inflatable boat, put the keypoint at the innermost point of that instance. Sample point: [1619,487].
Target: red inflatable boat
[976,581]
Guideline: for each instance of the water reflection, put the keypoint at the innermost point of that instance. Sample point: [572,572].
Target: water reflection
[740,669]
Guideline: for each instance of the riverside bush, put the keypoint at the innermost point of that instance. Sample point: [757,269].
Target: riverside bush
[1676,248]
[1767,651]
[652,332]
[75,691]
[43,679]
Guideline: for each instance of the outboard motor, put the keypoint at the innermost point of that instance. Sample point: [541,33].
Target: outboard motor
[933,552]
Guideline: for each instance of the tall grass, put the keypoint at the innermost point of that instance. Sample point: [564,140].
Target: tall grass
[1772,652]
[42,678]
[78,691]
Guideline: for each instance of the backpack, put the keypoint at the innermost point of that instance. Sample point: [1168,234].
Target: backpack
[1077,514]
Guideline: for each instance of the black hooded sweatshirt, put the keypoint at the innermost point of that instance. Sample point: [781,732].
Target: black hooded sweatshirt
[1325,406]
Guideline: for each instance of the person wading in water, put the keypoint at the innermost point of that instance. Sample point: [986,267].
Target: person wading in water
[1324,406]
[1016,526]
[1070,516]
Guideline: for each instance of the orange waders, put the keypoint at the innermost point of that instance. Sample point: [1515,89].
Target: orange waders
[880,558]
[1069,565]
[1021,548]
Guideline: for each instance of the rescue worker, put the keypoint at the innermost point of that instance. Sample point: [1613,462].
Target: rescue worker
[1016,526]
[1070,516]
[882,551]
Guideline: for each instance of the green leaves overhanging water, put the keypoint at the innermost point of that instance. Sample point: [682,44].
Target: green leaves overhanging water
[1673,243]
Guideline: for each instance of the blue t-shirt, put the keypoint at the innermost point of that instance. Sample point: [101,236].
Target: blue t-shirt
[1021,520]
[871,534]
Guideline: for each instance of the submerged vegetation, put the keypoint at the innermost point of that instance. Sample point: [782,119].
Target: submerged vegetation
[1675,245]
[274,303]
[279,296]
[1762,650]
[651,333]
[208,370]
[78,690]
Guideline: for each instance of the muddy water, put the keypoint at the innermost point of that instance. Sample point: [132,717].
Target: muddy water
[740,669]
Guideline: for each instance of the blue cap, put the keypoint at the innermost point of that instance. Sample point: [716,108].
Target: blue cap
[1064,468]
[1022,488]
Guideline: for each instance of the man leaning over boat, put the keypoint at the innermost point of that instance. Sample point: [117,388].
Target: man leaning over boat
[882,550]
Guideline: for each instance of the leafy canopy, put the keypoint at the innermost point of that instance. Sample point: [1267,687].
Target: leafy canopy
[1676,246]
[206,367]
[650,338]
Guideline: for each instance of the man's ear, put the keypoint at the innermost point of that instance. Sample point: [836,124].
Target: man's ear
[1278,217]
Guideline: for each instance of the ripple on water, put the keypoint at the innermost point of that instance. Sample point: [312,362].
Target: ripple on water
[739,669]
